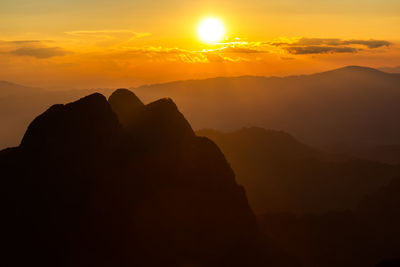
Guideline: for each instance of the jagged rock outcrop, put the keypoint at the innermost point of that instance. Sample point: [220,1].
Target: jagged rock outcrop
[86,188]
[126,105]
[159,122]
[86,122]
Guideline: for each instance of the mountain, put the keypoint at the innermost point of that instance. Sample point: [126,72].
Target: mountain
[367,235]
[121,183]
[389,154]
[391,69]
[281,174]
[8,88]
[351,105]
[253,140]
[20,105]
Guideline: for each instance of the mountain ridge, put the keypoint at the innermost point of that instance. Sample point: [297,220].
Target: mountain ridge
[345,105]
[339,108]
[9,88]
[281,174]
[356,68]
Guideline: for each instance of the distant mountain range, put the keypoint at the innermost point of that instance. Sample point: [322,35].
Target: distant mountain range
[281,174]
[364,236]
[353,106]
[391,69]
[19,105]
[12,89]
[383,153]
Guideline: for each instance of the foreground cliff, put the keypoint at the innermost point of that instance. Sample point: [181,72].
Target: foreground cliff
[120,183]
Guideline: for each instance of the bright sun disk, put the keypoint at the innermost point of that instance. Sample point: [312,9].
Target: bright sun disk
[211,30]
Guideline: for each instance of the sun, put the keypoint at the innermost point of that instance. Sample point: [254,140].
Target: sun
[211,30]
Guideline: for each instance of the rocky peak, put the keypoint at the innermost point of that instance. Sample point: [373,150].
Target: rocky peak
[126,105]
[162,118]
[85,122]
[156,122]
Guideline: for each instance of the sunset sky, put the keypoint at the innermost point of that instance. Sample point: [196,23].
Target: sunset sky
[98,43]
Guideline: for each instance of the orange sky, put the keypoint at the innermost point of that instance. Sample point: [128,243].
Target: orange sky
[88,43]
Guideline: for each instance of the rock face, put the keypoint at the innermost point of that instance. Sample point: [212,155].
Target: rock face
[126,105]
[120,183]
[86,122]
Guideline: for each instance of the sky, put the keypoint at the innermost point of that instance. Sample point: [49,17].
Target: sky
[121,43]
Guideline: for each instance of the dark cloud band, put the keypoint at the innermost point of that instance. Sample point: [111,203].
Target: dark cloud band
[306,46]
[40,52]
[305,50]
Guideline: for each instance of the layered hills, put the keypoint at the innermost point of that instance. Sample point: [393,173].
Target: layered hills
[282,174]
[352,106]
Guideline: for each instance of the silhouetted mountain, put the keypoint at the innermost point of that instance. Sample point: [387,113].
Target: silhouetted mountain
[383,153]
[391,69]
[349,105]
[17,110]
[9,89]
[89,122]
[382,208]
[83,189]
[253,140]
[365,236]
[282,174]
[126,105]
[389,263]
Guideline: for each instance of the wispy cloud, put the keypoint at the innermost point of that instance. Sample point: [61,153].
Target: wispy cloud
[234,51]
[24,42]
[368,43]
[107,33]
[305,50]
[183,55]
[40,52]
[305,46]
[33,48]
[244,49]
[338,42]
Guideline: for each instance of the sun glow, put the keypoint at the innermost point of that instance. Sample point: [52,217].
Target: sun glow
[211,30]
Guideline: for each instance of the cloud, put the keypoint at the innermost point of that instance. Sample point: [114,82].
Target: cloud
[224,52]
[212,57]
[304,46]
[306,50]
[334,42]
[287,58]
[159,54]
[40,52]
[215,58]
[369,43]
[107,33]
[26,42]
[338,42]
[395,69]
[34,48]
[318,41]
[240,50]
[18,43]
